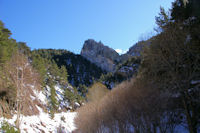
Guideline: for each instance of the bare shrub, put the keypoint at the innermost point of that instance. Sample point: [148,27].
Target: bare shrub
[105,115]
[87,120]
[24,79]
[130,107]
[96,91]
[18,81]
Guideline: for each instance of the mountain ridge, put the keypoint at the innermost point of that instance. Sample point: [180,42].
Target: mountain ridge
[107,58]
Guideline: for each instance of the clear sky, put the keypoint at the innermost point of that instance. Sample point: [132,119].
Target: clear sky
[66,24]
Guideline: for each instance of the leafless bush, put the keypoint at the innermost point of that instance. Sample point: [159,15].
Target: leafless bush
[130,107]
[96,92]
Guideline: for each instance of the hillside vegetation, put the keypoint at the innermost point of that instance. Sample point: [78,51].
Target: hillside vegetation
[30,83]
[164,97]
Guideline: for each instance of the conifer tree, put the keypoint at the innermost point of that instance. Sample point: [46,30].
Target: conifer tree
[7,44]
[63,73]
[39,64]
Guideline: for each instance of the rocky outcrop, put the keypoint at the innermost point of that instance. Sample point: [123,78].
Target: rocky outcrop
[100,55]
[107,58]
[136,49]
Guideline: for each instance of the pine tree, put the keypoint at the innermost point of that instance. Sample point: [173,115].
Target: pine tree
[24,49]
[69,95]
[63,73]
[7,45]
[53,101]
[39,64]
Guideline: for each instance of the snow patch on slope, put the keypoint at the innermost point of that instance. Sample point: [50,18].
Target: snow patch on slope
[43,123]
[40,96]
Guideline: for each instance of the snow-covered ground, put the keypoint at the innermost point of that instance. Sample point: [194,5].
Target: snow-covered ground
[43,123]
[62,122]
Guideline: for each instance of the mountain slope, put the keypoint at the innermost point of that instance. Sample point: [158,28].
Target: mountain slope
[80,70]
[137,48]
[43,121]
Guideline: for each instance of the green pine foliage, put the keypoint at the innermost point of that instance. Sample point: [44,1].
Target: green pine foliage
[8,128]
[53,103]
[72,96]
[79,70]
[54,70]
[24,49]
[69,95]
[39,64]
[82,89]
[7,45]
[63,74]
[53,74]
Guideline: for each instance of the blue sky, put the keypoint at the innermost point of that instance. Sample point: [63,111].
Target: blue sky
[66,24]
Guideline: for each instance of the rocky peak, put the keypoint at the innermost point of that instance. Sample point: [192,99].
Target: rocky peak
[101,55]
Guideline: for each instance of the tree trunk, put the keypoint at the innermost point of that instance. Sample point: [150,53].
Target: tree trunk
[154,128]
[1,110]
[190,120]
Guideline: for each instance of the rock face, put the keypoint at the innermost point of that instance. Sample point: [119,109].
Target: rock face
[100,55]
[136,49]
[107,58]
